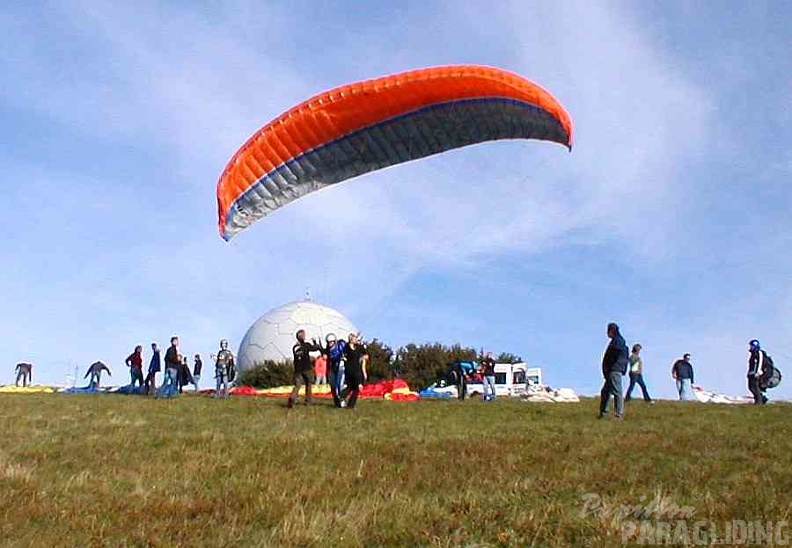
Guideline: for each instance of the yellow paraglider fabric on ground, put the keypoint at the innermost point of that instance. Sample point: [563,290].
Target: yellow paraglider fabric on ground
[33,389]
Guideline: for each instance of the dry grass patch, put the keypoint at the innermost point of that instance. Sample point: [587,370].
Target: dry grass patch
[134,471]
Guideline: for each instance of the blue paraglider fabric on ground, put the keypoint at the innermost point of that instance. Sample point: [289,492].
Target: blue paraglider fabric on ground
[129,389]
[90,389]
[431,392]
[167,391]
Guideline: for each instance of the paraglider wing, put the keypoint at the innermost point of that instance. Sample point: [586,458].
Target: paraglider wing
[369,125]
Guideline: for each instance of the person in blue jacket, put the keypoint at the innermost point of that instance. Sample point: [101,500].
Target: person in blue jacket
[614,366]
[335,367]
[459,373]
[155,366]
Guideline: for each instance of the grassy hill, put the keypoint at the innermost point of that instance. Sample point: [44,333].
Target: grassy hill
[133,471]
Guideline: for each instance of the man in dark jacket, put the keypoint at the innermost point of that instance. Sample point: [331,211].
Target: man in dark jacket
[24,372]
[303,367]
[682,373]
[614,366]
[173,362]
[155,365]
[756,366]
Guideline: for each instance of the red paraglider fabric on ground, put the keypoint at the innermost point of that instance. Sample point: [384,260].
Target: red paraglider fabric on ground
[395,390]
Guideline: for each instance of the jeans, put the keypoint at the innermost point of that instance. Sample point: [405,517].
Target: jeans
[321,379]
[489,384]
[336,383]
[136,375]
[170,384]
[612,387]
[685,389]
[637,378]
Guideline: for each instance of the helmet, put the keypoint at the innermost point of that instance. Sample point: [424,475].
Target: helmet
[224,344]
[754,345]
[330,338]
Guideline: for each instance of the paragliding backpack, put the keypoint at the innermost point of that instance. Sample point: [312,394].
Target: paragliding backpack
[771,376]
[231,371]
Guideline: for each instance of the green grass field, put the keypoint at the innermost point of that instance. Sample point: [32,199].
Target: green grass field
[87,470]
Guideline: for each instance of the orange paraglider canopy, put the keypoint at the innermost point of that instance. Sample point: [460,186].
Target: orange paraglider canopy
[376,123]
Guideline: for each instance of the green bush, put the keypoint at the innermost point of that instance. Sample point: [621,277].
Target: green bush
[418,365]
[267,374]
[379,366]
[422,365]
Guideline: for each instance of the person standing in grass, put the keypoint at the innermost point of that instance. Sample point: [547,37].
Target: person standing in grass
[320,369]
[636,374]
[95,371]
[224,370]
[488,374]
[756,366]
[170,386]
[24,372]
[301,352]
[356,358]
[682,373]
[197,367]
[185,377]
[224,365]
[336,368]
[614,366]
[155,366]
[135,364]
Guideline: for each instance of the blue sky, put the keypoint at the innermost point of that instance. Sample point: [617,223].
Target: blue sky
[670,216]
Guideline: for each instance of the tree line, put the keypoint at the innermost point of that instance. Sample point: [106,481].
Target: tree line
[418,365]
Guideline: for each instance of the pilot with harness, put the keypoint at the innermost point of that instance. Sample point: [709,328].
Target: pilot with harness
[762,373]
[225,370]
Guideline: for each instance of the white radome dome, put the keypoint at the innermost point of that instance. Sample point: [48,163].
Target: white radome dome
[272,336]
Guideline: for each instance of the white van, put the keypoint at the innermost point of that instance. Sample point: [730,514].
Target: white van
[511,379]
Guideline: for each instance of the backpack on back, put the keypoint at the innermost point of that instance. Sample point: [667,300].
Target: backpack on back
[771,376]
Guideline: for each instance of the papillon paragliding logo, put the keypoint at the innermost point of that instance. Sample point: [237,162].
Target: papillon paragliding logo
[369,125]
